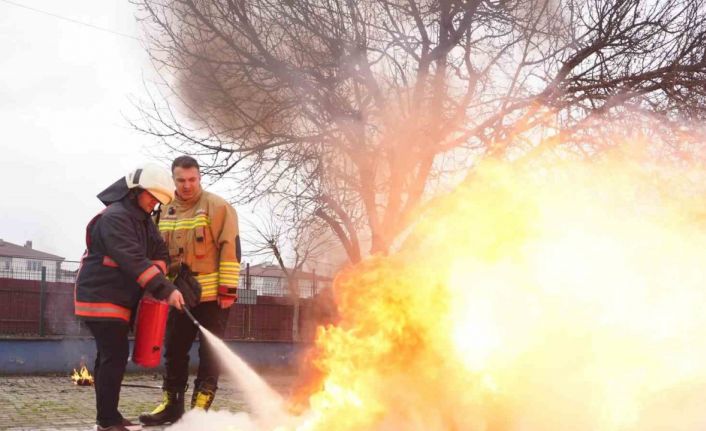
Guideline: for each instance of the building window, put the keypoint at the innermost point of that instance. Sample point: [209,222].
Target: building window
[34,265]
[5,263]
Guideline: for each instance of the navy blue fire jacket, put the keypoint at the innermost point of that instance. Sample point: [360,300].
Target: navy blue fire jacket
[125,257]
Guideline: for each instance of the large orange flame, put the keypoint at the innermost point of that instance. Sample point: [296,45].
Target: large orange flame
[547,299]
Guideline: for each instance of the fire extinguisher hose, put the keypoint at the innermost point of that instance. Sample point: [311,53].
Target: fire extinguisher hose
[191,316]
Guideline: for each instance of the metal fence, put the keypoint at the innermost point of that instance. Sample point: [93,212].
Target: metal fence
[22,268]
[39,302]
[277,286]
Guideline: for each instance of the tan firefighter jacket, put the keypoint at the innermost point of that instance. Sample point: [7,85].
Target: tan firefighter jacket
[203,233]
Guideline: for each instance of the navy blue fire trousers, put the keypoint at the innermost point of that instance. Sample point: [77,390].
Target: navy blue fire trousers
[181,333]
[112,349]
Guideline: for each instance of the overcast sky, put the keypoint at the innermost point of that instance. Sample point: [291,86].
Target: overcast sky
[65,91]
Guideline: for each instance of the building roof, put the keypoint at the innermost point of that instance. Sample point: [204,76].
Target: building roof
[27,252]
[269,270]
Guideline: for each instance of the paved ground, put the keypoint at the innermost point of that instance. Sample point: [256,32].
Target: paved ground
[48,403]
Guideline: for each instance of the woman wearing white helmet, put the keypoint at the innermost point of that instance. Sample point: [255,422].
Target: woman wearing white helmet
[125,257]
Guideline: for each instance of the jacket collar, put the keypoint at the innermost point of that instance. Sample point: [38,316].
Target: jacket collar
[133,208]
[182,204]
[114,192]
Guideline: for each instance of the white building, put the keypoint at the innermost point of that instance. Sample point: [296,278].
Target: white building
[270,280]
[25,263]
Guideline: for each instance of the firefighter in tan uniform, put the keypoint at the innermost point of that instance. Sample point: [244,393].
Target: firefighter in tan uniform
[201,231]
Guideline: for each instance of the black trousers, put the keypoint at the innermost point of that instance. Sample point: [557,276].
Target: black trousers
[111,359]
[181,333]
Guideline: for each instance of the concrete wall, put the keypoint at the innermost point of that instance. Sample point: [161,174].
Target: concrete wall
[36,356]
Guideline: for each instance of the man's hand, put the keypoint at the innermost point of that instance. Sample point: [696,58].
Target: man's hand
[176,299]
[226,301]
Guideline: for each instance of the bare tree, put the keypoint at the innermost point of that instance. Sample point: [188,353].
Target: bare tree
[294,242]
[359,111]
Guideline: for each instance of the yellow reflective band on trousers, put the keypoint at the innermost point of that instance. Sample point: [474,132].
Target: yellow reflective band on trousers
[182,224]
[209,286]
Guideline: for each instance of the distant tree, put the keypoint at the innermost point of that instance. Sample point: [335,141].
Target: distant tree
[295,243]
[359,111]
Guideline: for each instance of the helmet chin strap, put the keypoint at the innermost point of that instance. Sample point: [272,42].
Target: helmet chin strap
[157,213]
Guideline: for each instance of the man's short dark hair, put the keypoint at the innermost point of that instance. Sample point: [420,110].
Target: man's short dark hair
[185,162]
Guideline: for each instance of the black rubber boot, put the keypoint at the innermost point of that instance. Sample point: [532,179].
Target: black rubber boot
[169,411]
[203,396]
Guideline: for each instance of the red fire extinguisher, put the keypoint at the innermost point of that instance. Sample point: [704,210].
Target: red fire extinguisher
[150,326]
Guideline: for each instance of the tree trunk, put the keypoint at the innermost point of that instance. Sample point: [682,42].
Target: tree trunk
[294,295]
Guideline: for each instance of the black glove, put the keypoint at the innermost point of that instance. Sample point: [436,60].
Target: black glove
[188,286]
[163,289]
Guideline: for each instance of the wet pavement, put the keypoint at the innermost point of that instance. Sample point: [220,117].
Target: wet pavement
[47,403]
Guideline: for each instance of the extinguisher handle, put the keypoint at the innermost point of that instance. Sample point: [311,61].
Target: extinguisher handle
[191,316]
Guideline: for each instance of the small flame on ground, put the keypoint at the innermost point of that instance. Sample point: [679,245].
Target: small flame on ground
[82,377]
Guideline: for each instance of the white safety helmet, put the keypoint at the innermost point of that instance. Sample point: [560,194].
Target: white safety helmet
[153,178]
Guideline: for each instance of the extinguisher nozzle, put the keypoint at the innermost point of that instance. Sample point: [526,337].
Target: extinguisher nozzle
[191,316]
